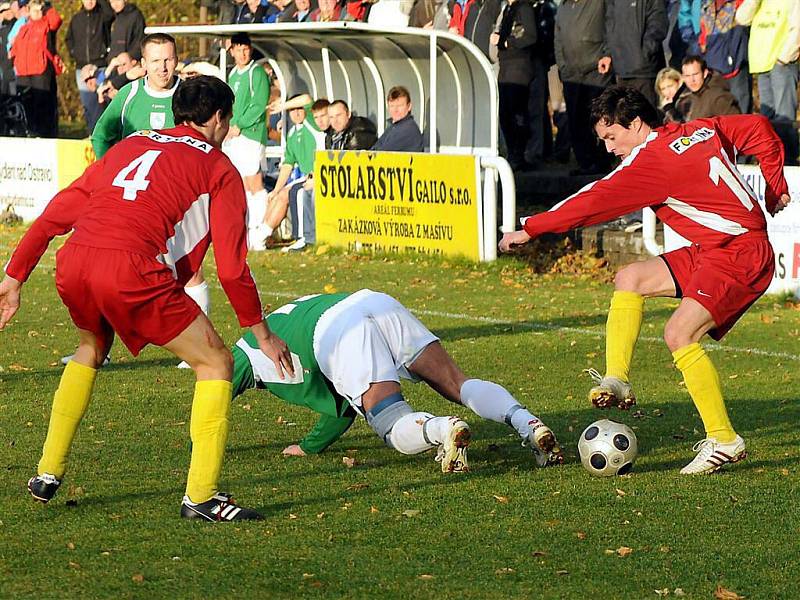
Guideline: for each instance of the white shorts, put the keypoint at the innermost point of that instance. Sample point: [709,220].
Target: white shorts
[245,154]
[366,338]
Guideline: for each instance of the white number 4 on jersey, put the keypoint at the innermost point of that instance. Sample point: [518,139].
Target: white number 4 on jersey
[140,168]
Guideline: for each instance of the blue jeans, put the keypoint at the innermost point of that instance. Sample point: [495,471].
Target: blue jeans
[778,92]
[91,107]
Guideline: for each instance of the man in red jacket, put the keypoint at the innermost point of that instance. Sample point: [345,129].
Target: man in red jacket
[687,174]
[144,217]
[37,65]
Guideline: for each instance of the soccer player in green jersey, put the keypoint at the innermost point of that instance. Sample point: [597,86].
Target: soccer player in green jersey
[147,104]
[247,137]
[307,135]
[349,352]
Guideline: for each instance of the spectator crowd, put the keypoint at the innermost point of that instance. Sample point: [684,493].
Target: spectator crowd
[691,58]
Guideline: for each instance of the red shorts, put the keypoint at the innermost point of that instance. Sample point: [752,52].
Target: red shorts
[133,294]
[726,280]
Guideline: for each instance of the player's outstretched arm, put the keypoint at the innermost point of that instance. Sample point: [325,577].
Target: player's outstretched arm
[515,238]
[9,299]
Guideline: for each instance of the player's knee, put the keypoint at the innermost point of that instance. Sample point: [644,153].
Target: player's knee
[627,279]
[674,336]
[384,416]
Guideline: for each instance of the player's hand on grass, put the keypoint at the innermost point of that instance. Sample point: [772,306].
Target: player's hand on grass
[293,450]
[9,299]
[515,238]
[782,203]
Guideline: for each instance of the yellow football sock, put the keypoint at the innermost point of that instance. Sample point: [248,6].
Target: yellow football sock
[622,331]
[69,405]
[209,432]
[702,381]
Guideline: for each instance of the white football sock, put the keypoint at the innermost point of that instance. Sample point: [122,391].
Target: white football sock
[199,293]
[256,208]
[408,435]
[494,402]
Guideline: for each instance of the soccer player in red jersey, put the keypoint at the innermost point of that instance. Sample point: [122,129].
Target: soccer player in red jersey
[143,218]
[685,172]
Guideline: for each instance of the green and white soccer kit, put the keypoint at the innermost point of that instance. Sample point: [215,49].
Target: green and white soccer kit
[135,107]
[302,144]
[250,85]
[340,345]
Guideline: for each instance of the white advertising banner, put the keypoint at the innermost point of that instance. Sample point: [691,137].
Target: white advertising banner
[784,231]
[32,171]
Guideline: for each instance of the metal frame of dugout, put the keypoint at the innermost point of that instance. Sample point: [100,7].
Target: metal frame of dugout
[453,88]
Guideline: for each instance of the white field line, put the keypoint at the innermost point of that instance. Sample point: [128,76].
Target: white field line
[714,346]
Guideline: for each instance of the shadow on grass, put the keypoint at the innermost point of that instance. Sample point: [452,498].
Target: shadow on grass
[451,334]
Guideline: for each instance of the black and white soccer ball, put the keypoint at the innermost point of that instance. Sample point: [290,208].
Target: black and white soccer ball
[607,448]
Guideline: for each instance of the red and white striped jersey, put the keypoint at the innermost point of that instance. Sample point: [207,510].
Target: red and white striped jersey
[687,173]
[164,194]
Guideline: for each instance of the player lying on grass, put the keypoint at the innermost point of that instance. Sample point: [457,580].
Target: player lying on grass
[687,174]
[350,352]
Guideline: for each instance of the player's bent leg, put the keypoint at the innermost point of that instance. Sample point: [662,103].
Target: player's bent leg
[410,432]
[494,402]
[436,368]
[197,289]
[632,284]
[70,402]
[200,346]
[722,445]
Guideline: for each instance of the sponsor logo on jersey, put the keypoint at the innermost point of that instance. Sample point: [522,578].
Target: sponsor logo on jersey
[161,138]
[683,143]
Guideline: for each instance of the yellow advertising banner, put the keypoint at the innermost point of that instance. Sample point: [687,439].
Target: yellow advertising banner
[396,202]
[73,158]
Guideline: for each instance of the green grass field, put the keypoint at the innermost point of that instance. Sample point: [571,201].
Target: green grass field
[393,526]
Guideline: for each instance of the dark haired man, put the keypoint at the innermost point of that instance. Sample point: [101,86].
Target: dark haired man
[348,132]
[143,218]
[403,134]
[686,173]
[707,93]
[247,137]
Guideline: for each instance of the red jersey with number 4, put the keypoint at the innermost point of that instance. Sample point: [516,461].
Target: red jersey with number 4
[686,172]
[164,194]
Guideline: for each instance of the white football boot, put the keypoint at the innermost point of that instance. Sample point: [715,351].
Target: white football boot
[106,360]
[610,391]
[543,443]
[453,451]
[712,455]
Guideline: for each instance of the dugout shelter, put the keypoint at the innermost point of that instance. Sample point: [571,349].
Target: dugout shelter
[453,88]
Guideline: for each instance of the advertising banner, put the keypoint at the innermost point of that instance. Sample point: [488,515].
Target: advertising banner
[784,231]
[397,202]
[32,171]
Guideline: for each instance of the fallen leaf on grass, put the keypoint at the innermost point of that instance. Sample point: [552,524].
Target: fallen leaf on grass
[320,515]
[624,551]
[425,577]
[784,471]
[292,516]
[329,288]
[662,593]
[138,578]
[722,593]
[562,572]
[500,499]
[609,552]
[74,565]
[307,575]
[538,553]
[349,462]
[322,249]
[580,535]
[373,510]
[411,513]
[664,549]
[620,492]
[504,571]
[70,546]
[357,486]
[679,592]
[766,319]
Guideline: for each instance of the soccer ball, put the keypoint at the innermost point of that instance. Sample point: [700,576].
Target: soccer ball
[607,448]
